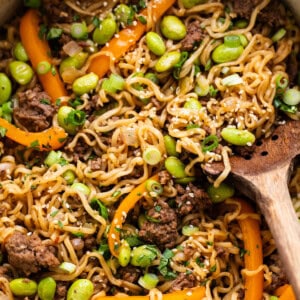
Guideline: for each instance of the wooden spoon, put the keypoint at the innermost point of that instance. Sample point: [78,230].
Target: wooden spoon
[263,176]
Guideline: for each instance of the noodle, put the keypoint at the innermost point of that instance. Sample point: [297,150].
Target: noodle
[57,207]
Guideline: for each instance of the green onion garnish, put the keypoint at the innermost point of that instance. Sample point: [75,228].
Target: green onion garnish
[152,155]
[43,67]
[210,143]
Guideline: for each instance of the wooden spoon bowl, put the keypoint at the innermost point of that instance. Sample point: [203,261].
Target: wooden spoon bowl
[264,176]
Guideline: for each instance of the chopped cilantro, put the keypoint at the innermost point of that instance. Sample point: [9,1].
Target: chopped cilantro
[54,33]
[97,204]
[2,131]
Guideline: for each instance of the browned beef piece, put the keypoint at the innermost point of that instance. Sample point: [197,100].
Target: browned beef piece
[6,273]
[191,198]
[164,177]
[58,12]
[195,34]
[244,8]
[90,243]
[241,294]
[96,163]
[161,226]
[80,150]
[34,111]
[130,273]
[279,278]
[61,290]
[292,68]
[183,281]
[244,151]
[27,253]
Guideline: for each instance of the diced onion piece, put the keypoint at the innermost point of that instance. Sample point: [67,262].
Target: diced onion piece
[67,267]
[72,48]
[291,97]
[148,281]
[152,156]
[129,136]
[231,80]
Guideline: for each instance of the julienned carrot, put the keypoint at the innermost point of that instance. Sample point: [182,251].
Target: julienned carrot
[254,252]
[196,293]
[285,292]
[52,138]
[126,205]
[38,51]
[126,38]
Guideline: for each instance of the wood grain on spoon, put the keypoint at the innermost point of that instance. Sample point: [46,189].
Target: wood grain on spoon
[264,176]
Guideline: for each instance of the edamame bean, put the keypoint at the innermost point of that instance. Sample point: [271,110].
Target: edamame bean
[191,3]
[69,176]
[105,31]
[76,61]
[172,28]
[21,72]
[143,256]
[238,137]
[170,144]
[155,43]
[20,52]
[23,287]
[81,187]
[175,167]
[64,120]
[85,84]
[192,103]
[46,288]
[124,14]
[224,53]
[124,254]
[5,88]
[220,193]
[81,289]
[167,61]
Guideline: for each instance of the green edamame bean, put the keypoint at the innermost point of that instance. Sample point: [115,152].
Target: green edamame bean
[81,187]
[69,176]
[123,14]
[85,84]
[220,193]
[20,52]
[191,3]
[170,144]
[142,256]
[63,120]
[167,61]
[155,43]
[192,103]
[224,53]
[237,136]
[172,28]
[76,61]
[23,287]
[175,167]
[5,88]
[105,32]
[81,289]
[46,288]
[21,72]
[124,254]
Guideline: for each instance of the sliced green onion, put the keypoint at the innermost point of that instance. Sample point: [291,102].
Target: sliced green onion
[291,97]
[243,40]
[281,83]
[69,176]
[43,67]
[278,35]
[210,143]
[202,86]
[208,65]
[148,281]
[52,158]
[67,267]
[152,186]
[189,230]
[241,24]
[232,41]
[81,187]
[113,84]
[79,31]
[231,80]
[152,156]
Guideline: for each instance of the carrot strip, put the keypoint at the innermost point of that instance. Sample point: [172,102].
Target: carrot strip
[285,292]
[38,50]
[254,256]
[196,293]
[126,205]
[118,46]
[52,138]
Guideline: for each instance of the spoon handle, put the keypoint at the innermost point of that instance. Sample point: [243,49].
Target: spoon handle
[273,198]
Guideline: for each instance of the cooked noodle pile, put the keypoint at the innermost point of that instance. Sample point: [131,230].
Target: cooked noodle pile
[48,218]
